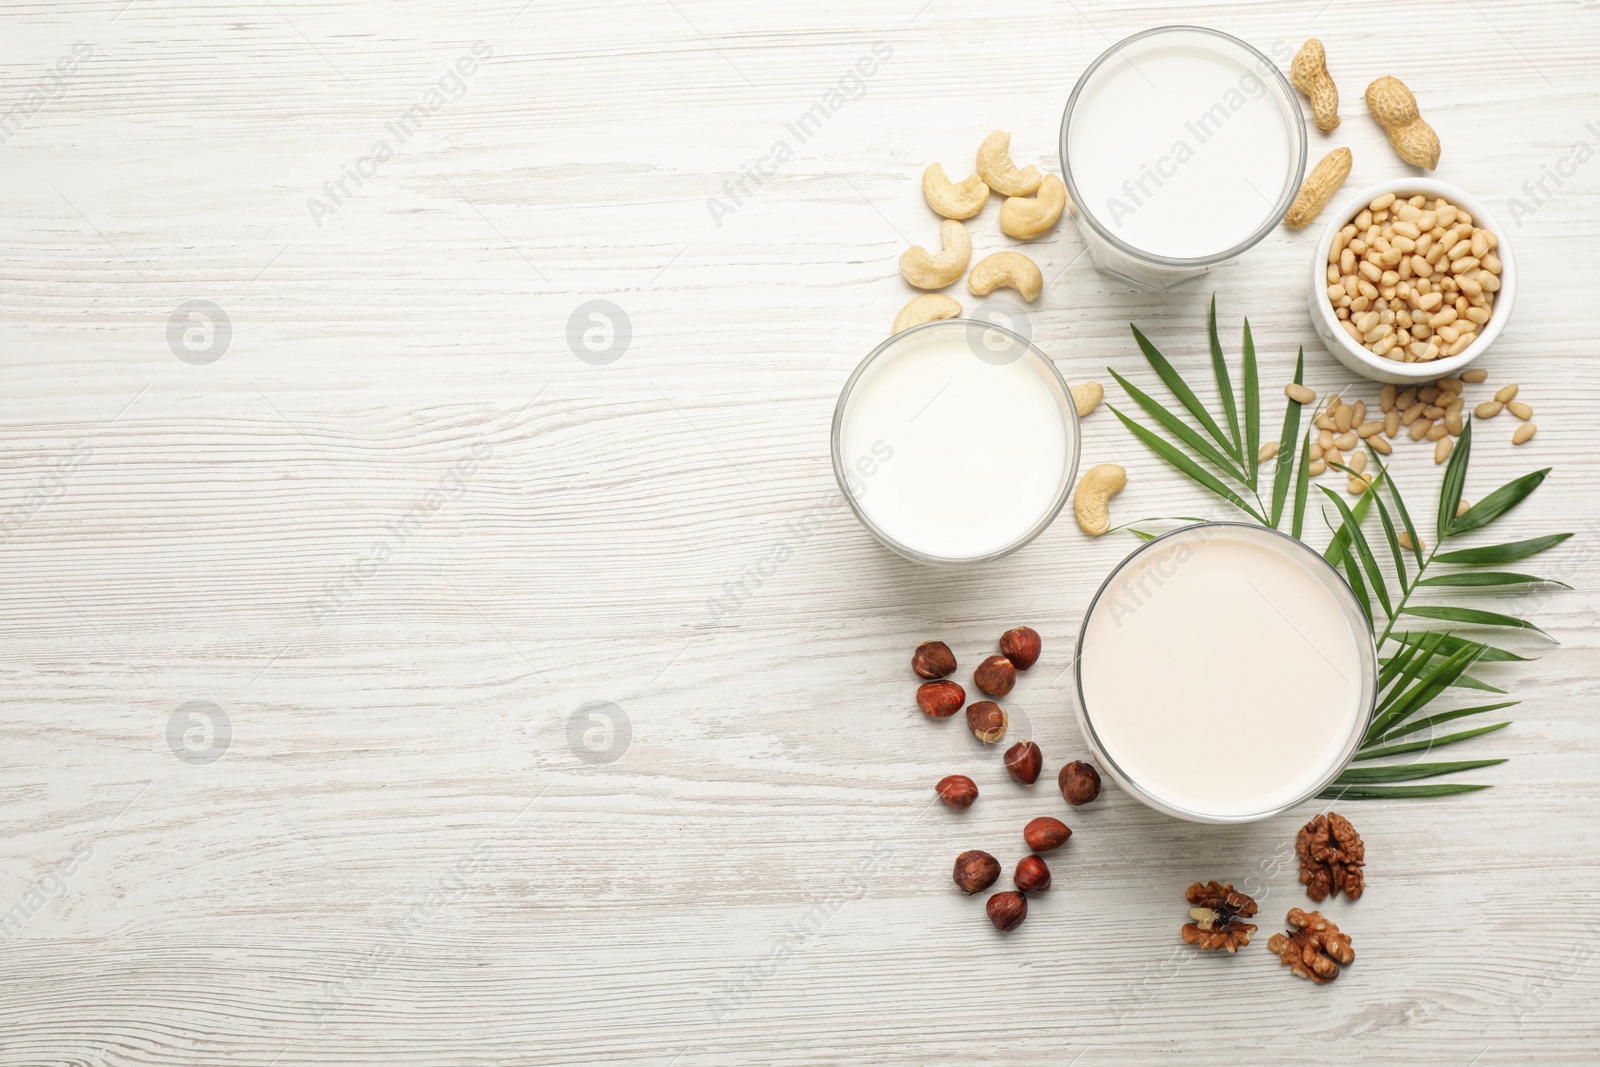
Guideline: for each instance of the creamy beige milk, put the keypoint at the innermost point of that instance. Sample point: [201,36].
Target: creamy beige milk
[979,444]
[1224,675]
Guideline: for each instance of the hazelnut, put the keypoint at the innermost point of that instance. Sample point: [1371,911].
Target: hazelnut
[940,699]
[1080,783]
[995,676]
[957,791]
[1007,910]
[1032,876]
[933,659]
[1023,762]
[1044,833]
[987,721]
[1021,646]
[976,871]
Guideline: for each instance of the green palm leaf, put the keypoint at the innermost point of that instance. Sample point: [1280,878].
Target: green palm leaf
[1219,367]
[1417,666]
[1181,390]
[1394,792]
[1498,502]
[1455,479]
[1409,771]
[1364,550]
[1185,465]
[1474,616]
[1443,717]
[1283,470]
[1491,579]
[1429,745]
[1252,408]
[1509,552]
[1175,426]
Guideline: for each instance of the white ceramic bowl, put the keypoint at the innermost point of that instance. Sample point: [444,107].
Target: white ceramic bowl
[1379,369]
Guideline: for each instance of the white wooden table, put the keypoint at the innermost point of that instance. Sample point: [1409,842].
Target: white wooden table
[366,695]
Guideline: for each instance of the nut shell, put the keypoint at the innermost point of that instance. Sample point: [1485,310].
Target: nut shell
[976,871]
[987,721]
[1044,833]
[1032,875]
[1023,762]
[996,676]
[1079,782]
[933,659]
[940,699]
[1021,646]
[957,791]
[1007,910]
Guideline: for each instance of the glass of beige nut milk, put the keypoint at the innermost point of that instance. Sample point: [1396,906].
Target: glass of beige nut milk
[1225,673]
[1180,148]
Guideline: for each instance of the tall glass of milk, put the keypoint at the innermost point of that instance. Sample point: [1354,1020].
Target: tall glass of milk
[955,441]
[1225,673]
[1180,147]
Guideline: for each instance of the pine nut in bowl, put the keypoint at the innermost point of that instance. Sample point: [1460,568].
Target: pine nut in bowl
[1391,300]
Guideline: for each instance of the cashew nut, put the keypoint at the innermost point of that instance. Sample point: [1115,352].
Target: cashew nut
[928,271]
[1023,217]
[996,168]
[1092,499]
[1000,269]
[953,200]
[926,308]
[1087,397]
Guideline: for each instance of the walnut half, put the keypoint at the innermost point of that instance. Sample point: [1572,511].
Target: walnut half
[1331,857]
[1218,907]
[1314,949]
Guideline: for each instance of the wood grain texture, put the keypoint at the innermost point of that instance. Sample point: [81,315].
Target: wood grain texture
[404,538]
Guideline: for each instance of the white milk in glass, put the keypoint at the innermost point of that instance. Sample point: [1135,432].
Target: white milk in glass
[1225,673]
[970,453]
[1181,144]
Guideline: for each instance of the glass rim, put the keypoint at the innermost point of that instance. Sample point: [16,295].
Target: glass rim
[1369,681]
[1064,404]
[1280,208]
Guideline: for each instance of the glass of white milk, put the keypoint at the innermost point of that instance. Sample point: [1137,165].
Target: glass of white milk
[955,441]
[1180,147]
[1225,673]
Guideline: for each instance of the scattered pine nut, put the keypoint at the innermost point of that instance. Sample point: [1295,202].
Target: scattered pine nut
[1316,468]
[1506,393]
[1405,541]
[1267,451]
[1380,445]
[1345,441]
[1441,449]
[1391,422]
[1386,398]
[1356,487]
[1488,409]
[1368,429]
[1299,393]
[1358,462]
[1461,508]
[1437,431]
[1520,410]
[1420,428]
[1474,375]
[1524,432]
